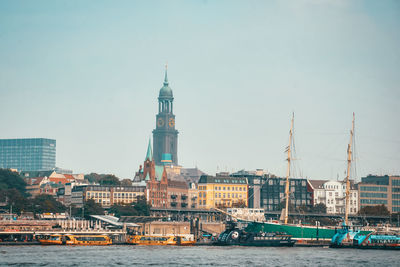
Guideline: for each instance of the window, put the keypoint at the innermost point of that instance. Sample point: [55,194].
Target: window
[330,194]
[216,194]
[224,188]
[229,195]
[336,194]
[373,201]
[374,188]
[374,195]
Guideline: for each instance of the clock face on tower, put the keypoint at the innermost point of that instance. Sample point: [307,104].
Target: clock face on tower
[171,122]
[160,122]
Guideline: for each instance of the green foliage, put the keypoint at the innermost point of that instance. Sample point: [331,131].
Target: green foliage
[109,180]
[103,179]
[46,203]
[318,208]
[16,199]
[374,210]
[282,205]
[90,208]
[11,180]
[93,177]
[126,182]
[141,208]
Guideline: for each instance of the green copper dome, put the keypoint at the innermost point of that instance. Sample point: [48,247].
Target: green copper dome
[166,91]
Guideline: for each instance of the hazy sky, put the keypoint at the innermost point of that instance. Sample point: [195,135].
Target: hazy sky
[88,74]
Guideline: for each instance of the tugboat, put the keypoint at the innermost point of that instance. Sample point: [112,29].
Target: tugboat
[234,236]
[354,238]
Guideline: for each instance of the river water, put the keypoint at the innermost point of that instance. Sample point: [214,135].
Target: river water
[187,256]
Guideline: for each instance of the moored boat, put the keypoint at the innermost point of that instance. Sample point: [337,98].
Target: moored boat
[87,240]
[51,239]
[354,238]
[240,237]
[178,240]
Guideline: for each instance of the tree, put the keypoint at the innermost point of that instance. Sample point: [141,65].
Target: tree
[140,208]
[90,207]
[46,203]
[126,182]
[11,180]
[93,177]
[282,205]
[14,198]
[109,180]
[302,209]
[318,208]
[123,210]
[374,210]
[103,179]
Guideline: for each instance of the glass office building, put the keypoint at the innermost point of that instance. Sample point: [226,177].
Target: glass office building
[28,154]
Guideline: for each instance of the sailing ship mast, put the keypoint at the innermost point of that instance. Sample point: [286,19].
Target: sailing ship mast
[289,156]
[349,159]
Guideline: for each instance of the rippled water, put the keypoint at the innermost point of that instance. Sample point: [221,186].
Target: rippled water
[186,256]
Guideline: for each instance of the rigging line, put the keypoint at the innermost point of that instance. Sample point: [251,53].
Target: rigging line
[326,133]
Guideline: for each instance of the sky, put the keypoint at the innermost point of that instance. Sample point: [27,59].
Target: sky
[88,74]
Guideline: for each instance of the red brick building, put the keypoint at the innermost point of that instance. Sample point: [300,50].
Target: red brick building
[156,181]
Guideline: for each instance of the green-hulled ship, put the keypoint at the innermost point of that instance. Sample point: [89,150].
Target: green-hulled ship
[298,232]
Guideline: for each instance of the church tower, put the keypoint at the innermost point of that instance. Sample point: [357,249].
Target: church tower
[165,136]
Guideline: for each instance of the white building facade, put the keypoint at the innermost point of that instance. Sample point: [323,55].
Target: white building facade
[333,195]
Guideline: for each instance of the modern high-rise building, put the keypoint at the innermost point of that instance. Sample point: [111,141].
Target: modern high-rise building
[165,136]
[28,154]
[377,190]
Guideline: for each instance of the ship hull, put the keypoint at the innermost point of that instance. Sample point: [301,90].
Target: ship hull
[297,232]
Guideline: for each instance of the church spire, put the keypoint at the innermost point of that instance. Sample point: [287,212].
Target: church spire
[166,76]
[149,155]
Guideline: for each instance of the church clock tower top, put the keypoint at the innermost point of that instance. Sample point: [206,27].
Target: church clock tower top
[166,91]
[165,136]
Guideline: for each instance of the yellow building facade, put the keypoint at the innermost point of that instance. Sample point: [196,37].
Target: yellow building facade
[222,192]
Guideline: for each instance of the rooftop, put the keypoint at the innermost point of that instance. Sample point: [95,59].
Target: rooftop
[205,179]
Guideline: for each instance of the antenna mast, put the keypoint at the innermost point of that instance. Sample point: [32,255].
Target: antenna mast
[289,157]
[349,159]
